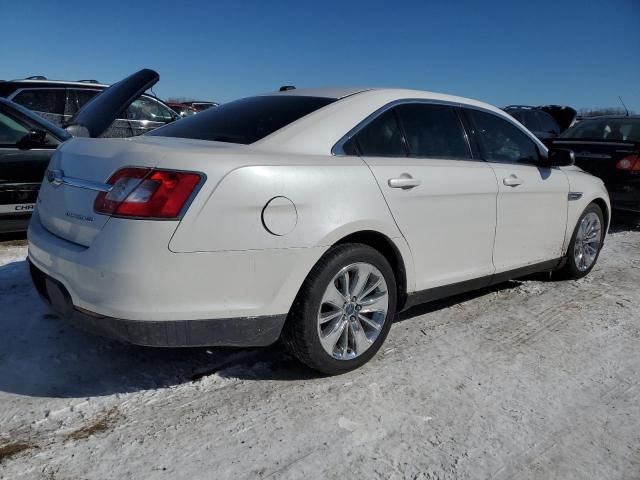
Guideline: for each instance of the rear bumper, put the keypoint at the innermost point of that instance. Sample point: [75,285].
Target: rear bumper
[127,284]
[243,331]
[625,196]
[14,223]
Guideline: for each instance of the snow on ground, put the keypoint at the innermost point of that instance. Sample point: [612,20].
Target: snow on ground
[531,379]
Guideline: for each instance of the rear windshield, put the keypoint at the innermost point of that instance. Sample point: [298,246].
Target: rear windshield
[626,129]
[244,121]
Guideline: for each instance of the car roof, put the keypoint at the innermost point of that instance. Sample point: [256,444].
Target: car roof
[324,92]
[319,131]
[520,107]
[612,117]
[37,82]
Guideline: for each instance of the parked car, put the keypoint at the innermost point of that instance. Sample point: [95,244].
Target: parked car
[311,215]
[26,144]
[57,101]
[200,106]
[182,109]
[609,147]
[544,122]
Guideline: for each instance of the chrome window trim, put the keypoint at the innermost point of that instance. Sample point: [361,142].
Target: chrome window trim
[338,148]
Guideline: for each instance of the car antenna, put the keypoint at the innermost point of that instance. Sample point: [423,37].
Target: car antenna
[625,107]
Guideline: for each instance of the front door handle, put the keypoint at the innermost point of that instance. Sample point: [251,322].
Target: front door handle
[512,180]
[405,181]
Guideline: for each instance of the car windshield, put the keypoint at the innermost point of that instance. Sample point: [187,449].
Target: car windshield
[625,129]
[244,121]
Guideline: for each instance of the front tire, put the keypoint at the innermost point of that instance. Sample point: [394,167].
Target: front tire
[585,245]
[344,310]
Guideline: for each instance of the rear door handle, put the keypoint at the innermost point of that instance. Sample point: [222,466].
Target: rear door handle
[405,181]
[512,180]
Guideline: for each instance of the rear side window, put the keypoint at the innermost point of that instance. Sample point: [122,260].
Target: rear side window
[500,140]
[78,98]
[382,137]
[42,100]
[83,97]
[433,131]
[244,121]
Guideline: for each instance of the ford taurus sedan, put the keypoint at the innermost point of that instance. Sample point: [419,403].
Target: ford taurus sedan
[308,215]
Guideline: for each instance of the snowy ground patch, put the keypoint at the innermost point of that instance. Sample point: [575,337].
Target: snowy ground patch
[530,379]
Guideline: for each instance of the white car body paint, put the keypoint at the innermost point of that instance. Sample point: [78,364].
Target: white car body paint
[219,261]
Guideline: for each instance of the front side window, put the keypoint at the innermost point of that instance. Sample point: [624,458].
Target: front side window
[42,100]
[244,121]
[500,140]
[146,108]
[10,130]
[433,131]
[382,137]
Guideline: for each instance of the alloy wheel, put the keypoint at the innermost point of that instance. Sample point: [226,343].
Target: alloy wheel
[352,311]
[587,242]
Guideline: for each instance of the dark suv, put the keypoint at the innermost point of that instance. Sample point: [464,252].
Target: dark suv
[57,101]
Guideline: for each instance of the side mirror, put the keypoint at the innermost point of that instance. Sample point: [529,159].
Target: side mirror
[558,157]
[33,139]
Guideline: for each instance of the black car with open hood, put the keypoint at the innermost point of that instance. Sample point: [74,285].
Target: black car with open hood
[27,142]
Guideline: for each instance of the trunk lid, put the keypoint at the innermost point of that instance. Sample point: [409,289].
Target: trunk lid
[562,114]
[599,157]
[66,209]
[102,110]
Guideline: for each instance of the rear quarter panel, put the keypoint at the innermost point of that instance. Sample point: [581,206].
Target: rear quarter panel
[333,197]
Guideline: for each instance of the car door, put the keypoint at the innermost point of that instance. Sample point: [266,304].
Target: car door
[442,199]
[22,166]
[532,200]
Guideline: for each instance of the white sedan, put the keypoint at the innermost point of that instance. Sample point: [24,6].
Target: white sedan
[308,215]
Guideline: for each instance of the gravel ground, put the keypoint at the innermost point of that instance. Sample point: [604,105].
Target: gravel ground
[532,379]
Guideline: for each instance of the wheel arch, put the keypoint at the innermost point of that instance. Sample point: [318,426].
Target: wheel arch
[605,210]
[389,249]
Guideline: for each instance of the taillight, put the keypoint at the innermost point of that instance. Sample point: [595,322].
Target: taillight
[146,193]
[630,163]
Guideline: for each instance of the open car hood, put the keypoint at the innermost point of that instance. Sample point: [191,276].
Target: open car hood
[100,112]
[564,115]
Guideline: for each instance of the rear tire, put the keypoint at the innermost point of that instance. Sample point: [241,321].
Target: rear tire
[335,332]
[585,245]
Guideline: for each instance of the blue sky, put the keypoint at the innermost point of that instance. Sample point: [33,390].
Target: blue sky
[580,53]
